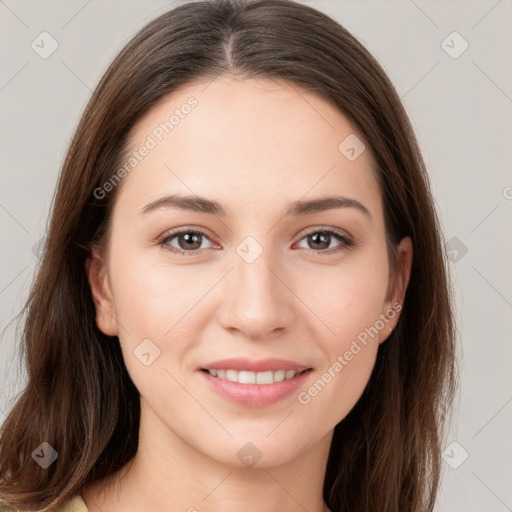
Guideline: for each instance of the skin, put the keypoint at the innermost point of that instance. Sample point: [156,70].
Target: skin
[253,145]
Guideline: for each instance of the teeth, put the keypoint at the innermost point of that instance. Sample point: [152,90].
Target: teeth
[232,375]
[289,374]
[279,375]
[247,377]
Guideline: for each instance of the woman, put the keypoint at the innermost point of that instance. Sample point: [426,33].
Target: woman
[243,301]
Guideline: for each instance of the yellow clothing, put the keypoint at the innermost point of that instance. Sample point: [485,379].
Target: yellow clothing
[77,504]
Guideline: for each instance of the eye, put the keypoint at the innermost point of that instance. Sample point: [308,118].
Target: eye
[320,239]
[189,241]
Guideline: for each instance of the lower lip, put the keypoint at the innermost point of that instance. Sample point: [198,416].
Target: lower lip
[256,395]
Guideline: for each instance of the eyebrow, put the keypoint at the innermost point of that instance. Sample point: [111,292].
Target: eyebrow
[301,207]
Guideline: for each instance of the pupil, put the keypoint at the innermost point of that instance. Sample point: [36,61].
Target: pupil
[320,239]
[192,239]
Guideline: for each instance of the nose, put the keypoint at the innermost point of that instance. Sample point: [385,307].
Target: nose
[256,300]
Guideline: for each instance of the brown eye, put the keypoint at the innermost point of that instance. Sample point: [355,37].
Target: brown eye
[320,241]
[188,241]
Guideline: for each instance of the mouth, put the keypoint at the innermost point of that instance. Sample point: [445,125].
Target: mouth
[254,382]
[254,389]
[251,377]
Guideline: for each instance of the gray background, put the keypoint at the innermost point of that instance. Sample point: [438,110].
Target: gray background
[461,111]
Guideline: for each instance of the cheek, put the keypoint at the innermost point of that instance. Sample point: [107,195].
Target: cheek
[349,309]
[346,299]
[348,302]
[155,308]
[337,387]
[151,298]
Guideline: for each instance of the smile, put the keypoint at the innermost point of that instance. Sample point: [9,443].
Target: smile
[254,389]
[249,377]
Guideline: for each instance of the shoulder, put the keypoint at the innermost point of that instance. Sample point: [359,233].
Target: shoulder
[76,504]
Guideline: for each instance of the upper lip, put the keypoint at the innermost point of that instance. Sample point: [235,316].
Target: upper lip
[260,365]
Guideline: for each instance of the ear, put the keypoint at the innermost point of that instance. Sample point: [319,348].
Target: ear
[101,294]
[397,287]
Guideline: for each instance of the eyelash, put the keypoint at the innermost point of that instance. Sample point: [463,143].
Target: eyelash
[347,243]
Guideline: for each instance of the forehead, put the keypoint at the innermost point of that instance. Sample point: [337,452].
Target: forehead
[247,141]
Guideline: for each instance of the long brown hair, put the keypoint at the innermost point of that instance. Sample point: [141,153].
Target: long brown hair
[386,453]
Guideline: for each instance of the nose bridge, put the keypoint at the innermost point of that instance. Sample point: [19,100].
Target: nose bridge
[258,302]
[256,275]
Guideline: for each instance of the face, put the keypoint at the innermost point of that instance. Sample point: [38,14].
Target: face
[255,266]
